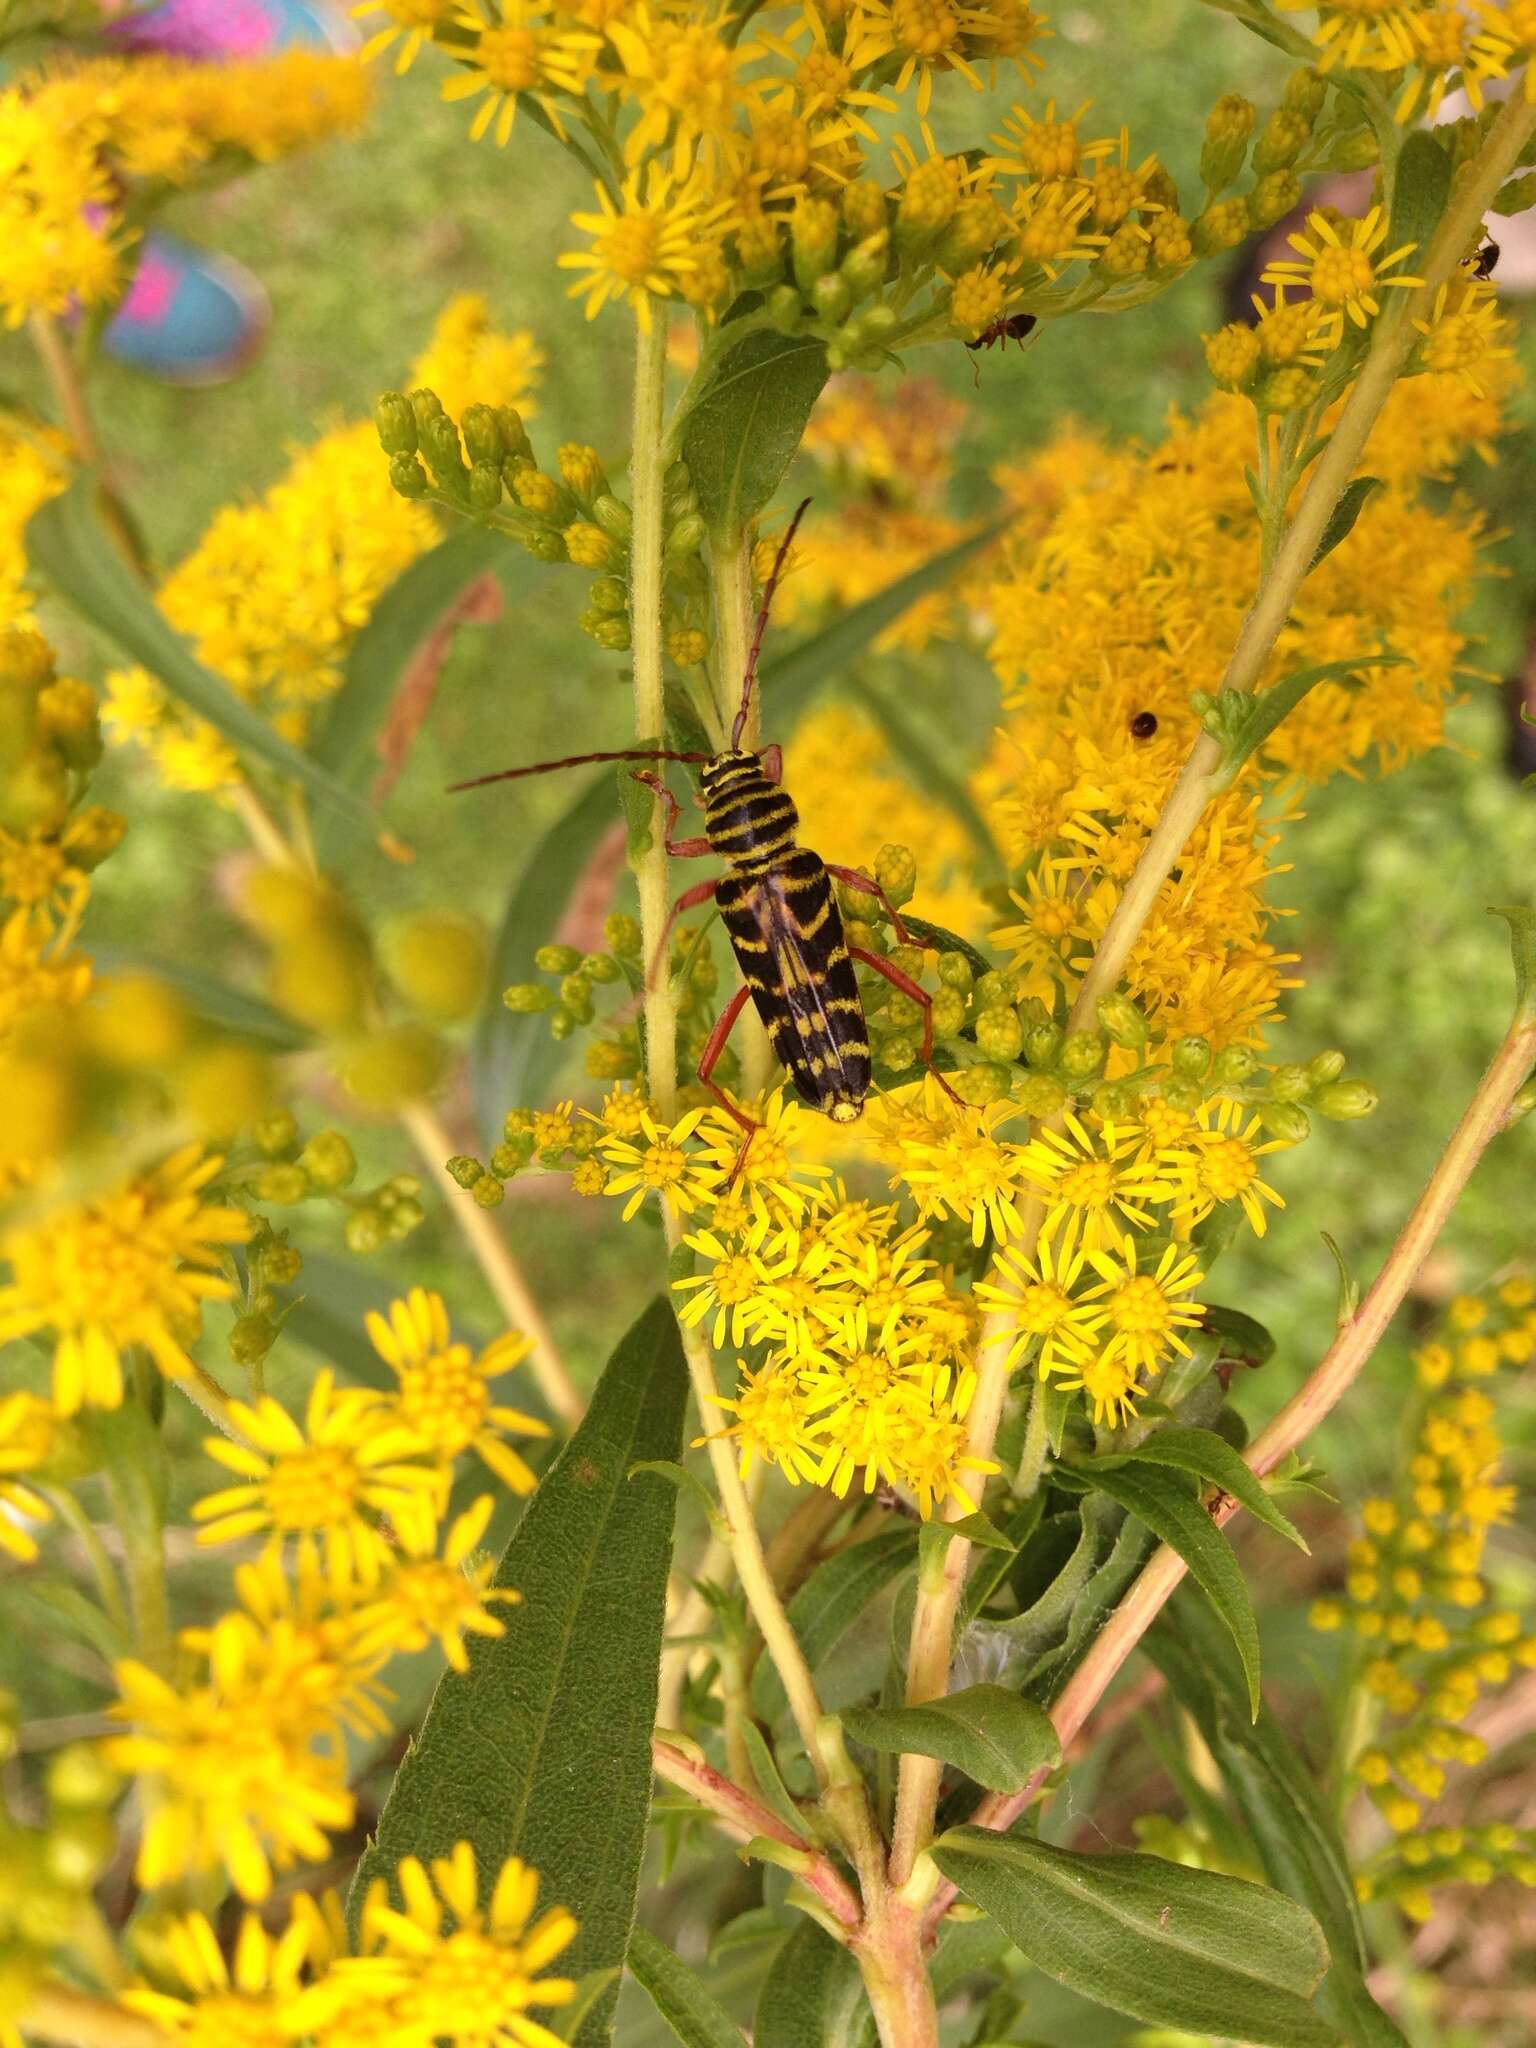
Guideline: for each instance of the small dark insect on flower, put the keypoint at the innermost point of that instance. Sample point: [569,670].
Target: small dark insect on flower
[1143,725]
[1010,327]
[1485,260]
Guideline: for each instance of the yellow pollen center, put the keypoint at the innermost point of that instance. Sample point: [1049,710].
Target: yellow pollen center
[444,1399]
[735,1280]
[868,1375]
[663,1165]
[1088,1186]
[315,1488]
[1340,274]
[822,76]
[475,1981]
[1140,1307]
[926,27]
[1227,1168]
[229,2021]
[1041,1307]
[509,57]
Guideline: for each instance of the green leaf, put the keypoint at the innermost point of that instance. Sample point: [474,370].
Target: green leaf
[789,679]
[1035,1634]
[1421,190]
[38,1607]
[570,2019]
[1277,1792]
[1349,1286]
[989,1570]
[232,1009]
[914,752]
[1521,920]
[1240,1336]
[689,2010]
[1242,723]
[66,539]
[678,1476]
[513,1058]
[1172,1513]
[1212,1458]
[986,1731]
[832,1599]
[745,423]
[1341,521]
[938,940]
[1169,1945]
[770,1784]
[813,1996]
[542,1749]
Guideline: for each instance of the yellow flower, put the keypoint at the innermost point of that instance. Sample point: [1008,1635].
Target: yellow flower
[468,1972]
[1095,1181]
[260,2002]
[28,1427]
[444,1396]
[228,1774]
[1218,1162]
[424,1596]
[951,1160]
[1344,272]
[1036,1295]
[736,1287]
[768,1172]
[469,361]
[774,1419]
[648,243]
[408,22]
[325,1483]
[132,1267]
[922,37]
[1147,1311]
[657,1160]
[684,75]
[516,51]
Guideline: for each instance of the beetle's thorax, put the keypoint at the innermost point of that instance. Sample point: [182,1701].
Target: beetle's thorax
[750,822]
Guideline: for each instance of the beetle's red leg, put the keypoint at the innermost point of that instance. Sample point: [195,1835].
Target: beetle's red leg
[701,892]
[683,849]
[772,758]
[725,1024]
[852,879]
[908,987]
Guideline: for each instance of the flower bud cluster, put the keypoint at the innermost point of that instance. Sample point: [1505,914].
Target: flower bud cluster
[50,1862]
[285,1168]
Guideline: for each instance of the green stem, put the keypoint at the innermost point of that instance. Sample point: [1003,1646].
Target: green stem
[144,1563]
[646,471]
[1026,1480]
[108,1585]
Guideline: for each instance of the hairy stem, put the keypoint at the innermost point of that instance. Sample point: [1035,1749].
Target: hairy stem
[1485,1116]
[493,1256]
[1393,339]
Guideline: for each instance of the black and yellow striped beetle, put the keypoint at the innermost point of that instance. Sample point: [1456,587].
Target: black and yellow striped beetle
[778,907]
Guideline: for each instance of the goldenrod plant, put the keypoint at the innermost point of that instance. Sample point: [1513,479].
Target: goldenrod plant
[824,1606]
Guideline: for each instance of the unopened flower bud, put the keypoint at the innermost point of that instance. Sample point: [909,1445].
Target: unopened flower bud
[581,470]
[1192,1057]
[1357,151]
[785,309]
[1281,140]
[1305,92]
[1181,1093]
[613,516]
[274,1132]
[445,454]
[621,933]
[863,205]
[686,537]
[395,418]
[896,872]
[832,299]
[363,1231]
[1222,226]
[282,1184]
[1273,197]
[812,240]
[983,1083]
[437,960]
[392,1066]
[1235,1066]
[1524,1102]
[1344,1101]
[329,1161]
[1040,1095]
[955,971]
[78,1847]
[527,998]
[1325,1066]
[488,1192]
[482,436]
[947,1010]
[864,267]
[899,1051]
[514,435]
[281,1264]
[407,477]
[1082,1054]
[1120,1017]
[999,1034]
[1285,1120]
[1290,1083]
[609,1061]
[1042,1044]
[1114,1102]
[1232,355]
[484,487]
[609,594]
[1227,129]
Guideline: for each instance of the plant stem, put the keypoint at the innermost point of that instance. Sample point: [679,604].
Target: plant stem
[69,1511]
[1484,1117]
[1391,344]
[73,2019]
[891,1960]
[63,374]
[263,830]
[503,1274]
[144,1569]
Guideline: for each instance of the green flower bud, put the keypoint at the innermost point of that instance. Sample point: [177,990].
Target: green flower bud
[1119,1016]
[1181,1093]
[900,1051]
[364,1231]
[514,435]
[1283,138]
[1192,1056]
[1227,130]
[863,204]
[878,322]
[1235,1067]
[1040,1095]
[981,1084]
[613,516]
[609,1061]
[79,1776]
[543,543]
[1289,1083]
[481,430]
[274,1132]
[1287,1120]
[396,422]
[1082,1054]
[576,995]
[832,299]
[282,1184]
[896,872]
[445,455]
[426,405]
[955,971]
[600,967]
[686,537]
[251,1337]
[1345,1101]
[999,1034]
[856,930]
[864,267]
[609,594]
[784,309]
[281,1264]
[1325,1066]
[948,1013]
[994,991]
[1222,226]
[329,1161]
[812,240]
[907,960]
[1273,197]
[556,959]
[1042,1044]
[621,932]
[525,998]
[608,630]
[1113,1101]
[561,1025]
[464,1169]
[484,487]
[1305,92]
[407,477]
[1356,152]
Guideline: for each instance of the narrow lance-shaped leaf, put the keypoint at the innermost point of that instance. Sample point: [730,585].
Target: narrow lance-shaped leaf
[1209,1457]
[542,1749]
[1172,1946]
[744,425]
[832,1599]
[1341,521]
[67,541]
[813,1997]
[689,2009]
[986,1731]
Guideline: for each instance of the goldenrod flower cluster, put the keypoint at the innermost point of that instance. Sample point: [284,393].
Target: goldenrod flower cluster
[77,139]
[1419,1600]
[1422,47]
[734,161]
[275,593]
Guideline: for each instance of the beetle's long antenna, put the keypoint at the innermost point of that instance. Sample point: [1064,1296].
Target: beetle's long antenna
[576,761]
[762,624]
